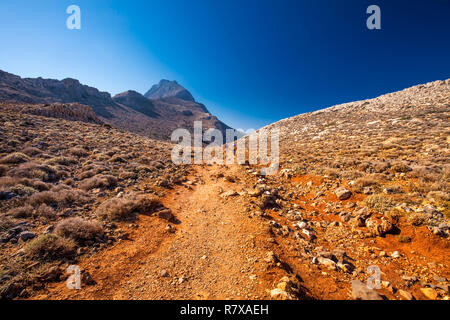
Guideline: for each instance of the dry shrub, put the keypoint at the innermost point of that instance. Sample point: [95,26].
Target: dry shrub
[439,195]
[363,182]
[8,181]
[394,214]
[78,229]
[34,170]
[417,218]
[330,172]
[401,167]
[23,190]
[379,203]
[31,151]
[49,247]
[78,152]
[60,195]
[124,175]
[120,209]
[41,186]
[15,158]
[46,212]
[98,181]
[21,212]
[117,158]
[381,166]
[64,161]
[5,222]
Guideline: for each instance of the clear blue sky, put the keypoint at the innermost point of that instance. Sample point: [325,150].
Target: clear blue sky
[251,62]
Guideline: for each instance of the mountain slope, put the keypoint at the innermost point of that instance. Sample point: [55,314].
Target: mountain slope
[172,106]
[38,90]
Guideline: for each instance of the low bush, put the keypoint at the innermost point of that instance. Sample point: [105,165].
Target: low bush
[49,247]
[78,229]
[98,181]
[120,209]
[379,203]
[15,158]
[21,212]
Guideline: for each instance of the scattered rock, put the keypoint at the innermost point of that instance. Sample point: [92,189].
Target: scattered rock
[406,295]
[429,293]
[164,273]
[278,294]
[342,193]
[165,214]
[271,258]
[27,235]
[378,227]
[228,194]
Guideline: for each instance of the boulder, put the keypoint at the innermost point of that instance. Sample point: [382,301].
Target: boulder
[27,235]
[379,227]
[342,193]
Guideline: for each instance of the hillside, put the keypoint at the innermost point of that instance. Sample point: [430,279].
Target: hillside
[361,185]
[170,107]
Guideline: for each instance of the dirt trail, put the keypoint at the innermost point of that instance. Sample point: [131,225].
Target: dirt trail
[217,251]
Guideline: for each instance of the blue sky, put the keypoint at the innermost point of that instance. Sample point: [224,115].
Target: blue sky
[251,62]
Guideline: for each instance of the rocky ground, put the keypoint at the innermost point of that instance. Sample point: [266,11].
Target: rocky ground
[361,187]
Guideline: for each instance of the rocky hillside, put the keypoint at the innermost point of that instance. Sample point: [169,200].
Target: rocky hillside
[366,183]
[38,90]
[170,105]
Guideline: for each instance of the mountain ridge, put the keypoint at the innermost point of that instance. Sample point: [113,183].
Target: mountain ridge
[172,105]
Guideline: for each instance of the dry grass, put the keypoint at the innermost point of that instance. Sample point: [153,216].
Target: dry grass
[14,158]
[21,212]
[50,247]
[78,229]
[98,181]
[379,203]
[120,209]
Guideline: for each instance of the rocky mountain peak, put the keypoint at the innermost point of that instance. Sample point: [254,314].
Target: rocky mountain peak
[169,89]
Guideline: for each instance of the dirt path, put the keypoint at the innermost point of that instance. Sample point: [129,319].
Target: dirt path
[217,251]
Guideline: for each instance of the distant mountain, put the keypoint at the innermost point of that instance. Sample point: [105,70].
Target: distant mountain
[137,102]
[169,106]
[38,90]
[168,89]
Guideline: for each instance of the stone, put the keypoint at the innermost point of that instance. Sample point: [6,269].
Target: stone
[230,193]
[27,235]
[330,264]
[165,214]
[164,273]
[405,295]
[429,293]
[278,294]
[49,229]
[271,258]
[342,193]
[360,291]
[378,227]
[87,279]
[395,255]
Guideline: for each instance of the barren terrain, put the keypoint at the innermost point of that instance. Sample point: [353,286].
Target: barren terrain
[360,185]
